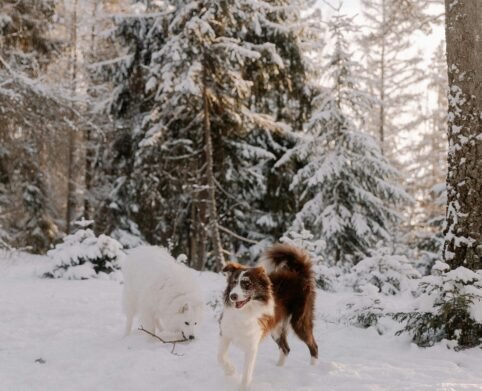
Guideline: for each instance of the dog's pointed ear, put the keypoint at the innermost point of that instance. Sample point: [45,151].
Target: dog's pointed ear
[184,308]
[232,267]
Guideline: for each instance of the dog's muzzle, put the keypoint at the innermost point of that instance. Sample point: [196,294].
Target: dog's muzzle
[238,303]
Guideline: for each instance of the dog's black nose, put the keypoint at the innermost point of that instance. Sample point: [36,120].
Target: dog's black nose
[191,337]
[233,296]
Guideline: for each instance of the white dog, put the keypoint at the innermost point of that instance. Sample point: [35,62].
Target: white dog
[161,291]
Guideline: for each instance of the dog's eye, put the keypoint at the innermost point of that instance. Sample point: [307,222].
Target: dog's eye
[186,323]
[195,323]
[245,284]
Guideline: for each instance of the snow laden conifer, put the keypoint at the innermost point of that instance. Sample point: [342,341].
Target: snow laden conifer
[202,149]
[137,34]
[30,115]
[203,107]
[82,255]
[448,306]
[346,184]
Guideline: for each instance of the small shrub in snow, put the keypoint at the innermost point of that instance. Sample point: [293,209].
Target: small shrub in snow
[365,309]
[449,306]
[390,273]
[327,278]
[82,255]
[377,279]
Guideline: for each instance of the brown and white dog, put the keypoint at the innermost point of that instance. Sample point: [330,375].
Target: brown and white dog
[270,298]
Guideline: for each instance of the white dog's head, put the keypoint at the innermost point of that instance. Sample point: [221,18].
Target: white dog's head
[186,319]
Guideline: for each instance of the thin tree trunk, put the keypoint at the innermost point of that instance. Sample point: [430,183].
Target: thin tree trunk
[88,175]
[88,140]
[199,221]
[71,188]
[463,232]
[193,234]
[213,213]
[71,201]
[202,226]
[381,129]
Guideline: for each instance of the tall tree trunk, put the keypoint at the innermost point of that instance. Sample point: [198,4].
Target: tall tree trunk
[71,188]
[198,226]
[213,212]
[193,235]
[381,128]
[88,139]
[463,232]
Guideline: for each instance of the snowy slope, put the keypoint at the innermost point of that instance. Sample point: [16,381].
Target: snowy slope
[75,329]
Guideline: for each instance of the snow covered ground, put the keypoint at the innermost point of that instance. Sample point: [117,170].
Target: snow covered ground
[67,335]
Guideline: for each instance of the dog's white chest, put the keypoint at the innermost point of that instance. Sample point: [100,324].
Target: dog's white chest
[241,327]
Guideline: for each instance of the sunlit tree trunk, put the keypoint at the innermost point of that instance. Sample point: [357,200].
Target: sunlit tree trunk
[463,232]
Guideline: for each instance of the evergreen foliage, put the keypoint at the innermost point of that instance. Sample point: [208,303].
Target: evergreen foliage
[36,230]
[29,114]
[389,273]
[366,311]
[82,255]
[346,185]
[449,307]
[23,26]
[179,68]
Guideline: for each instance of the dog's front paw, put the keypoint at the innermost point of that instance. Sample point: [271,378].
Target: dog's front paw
[244,387]
[229,369]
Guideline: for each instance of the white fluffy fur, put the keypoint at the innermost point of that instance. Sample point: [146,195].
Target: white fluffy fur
[161,292]
[241,327]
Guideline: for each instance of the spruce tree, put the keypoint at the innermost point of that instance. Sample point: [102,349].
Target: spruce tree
[136,35]
[198,76]
[346,183]
[29,116]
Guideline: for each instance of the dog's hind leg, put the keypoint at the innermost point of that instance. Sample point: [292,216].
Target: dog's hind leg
[305,332]
[279,334]
[223,359]
[311,343]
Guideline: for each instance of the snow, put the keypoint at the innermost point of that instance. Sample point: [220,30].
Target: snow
[67,335]
[463,275]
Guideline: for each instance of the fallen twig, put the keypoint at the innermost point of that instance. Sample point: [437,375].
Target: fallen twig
[164,341]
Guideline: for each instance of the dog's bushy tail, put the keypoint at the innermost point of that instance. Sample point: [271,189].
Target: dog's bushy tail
[287,257]
[290,271]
